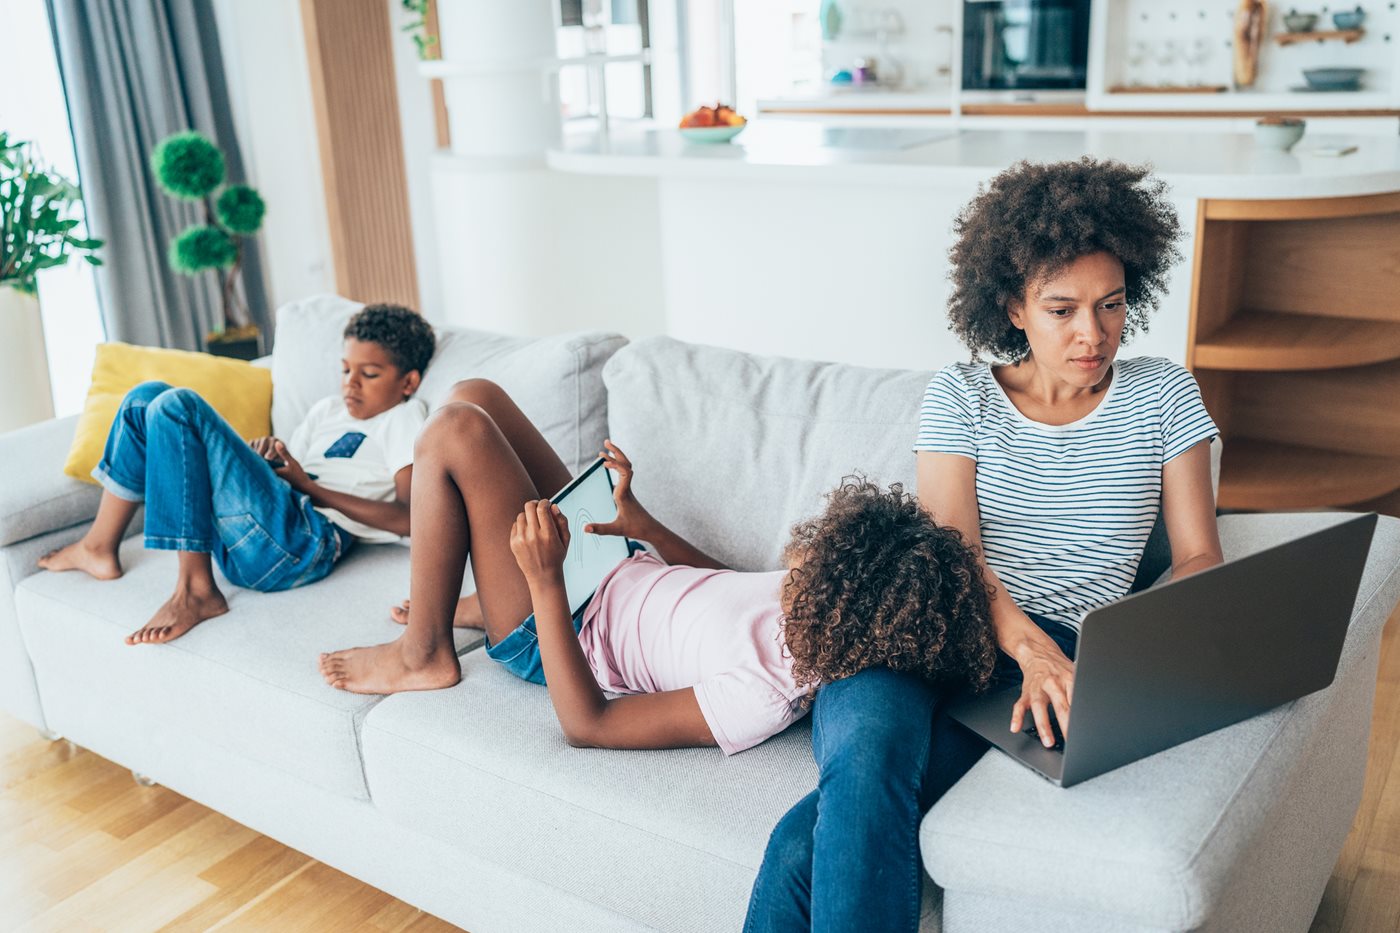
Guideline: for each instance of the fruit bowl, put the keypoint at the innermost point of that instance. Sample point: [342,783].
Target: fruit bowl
[711,134]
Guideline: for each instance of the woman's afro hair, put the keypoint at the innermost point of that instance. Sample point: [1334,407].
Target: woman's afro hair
[1033,220]
[878,583]
[401,331]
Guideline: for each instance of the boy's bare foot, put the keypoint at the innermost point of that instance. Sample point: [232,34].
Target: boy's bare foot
[182,612]
[391,668]
[101,564]
[466,615]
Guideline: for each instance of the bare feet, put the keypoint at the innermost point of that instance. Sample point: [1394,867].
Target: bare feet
[182,612]
[391,668]
[467,614]
[101,563]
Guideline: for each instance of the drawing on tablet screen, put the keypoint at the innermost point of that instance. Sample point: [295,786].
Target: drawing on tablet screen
[582,519]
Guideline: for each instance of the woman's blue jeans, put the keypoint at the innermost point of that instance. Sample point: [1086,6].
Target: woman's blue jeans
[846,856]
[207,491]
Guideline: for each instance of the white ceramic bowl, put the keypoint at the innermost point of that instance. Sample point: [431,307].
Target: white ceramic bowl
[1278,136]
[711,134]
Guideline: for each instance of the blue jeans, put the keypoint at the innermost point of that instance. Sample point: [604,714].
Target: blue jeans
[207,491]
[846,856]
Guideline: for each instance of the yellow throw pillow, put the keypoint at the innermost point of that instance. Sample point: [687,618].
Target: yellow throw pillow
[239,391]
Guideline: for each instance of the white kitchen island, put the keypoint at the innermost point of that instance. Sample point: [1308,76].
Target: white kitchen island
[830,242]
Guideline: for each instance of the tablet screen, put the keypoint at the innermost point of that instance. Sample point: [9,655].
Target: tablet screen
[589,498]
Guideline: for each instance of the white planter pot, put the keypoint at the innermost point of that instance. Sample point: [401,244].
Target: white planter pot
[27,397]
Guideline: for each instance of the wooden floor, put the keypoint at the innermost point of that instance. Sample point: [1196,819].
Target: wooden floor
[83,847]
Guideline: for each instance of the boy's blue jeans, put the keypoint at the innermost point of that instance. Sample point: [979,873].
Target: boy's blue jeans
[846,856]
[207,491]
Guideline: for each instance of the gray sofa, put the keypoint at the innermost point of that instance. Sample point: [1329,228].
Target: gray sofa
[468,803]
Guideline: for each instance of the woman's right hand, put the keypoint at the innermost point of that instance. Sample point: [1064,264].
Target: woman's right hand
[632,519]
[1047,680]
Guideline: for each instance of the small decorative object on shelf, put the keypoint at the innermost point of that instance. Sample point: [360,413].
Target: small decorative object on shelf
[39,221]
[1294,21]
[830,18]
[188,166]
[1349,19]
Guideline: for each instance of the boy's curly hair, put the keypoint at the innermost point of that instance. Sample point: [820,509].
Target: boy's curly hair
[401,331]
[1033,220]
[879,583]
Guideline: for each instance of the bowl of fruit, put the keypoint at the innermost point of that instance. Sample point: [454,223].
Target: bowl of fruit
[717,124]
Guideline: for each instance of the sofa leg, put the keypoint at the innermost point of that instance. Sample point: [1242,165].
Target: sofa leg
[142,779]
[48,735]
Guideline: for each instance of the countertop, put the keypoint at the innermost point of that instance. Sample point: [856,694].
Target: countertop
[1198,164]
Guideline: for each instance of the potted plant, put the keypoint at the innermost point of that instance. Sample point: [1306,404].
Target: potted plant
[37,232]
[188,166]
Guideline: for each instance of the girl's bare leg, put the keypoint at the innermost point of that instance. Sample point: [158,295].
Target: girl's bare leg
[546,471]
[469,484]
[95,553]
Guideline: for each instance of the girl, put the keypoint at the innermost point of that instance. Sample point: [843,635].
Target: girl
[704,655]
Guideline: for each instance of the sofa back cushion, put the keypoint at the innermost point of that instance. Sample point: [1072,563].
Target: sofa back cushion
[556,381]
[731,449]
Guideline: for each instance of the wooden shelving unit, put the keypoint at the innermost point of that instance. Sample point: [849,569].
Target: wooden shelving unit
[1295,340]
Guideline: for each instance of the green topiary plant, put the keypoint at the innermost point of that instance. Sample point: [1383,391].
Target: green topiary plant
[36,222]
[190,167]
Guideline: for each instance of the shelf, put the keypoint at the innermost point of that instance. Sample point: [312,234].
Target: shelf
[1268,340]
[1264,476]
[1346,35]
[1169,89]
[453,69]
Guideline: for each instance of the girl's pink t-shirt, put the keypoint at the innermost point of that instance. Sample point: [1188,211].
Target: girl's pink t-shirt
[653,627]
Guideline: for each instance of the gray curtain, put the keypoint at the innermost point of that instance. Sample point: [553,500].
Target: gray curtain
[135,71]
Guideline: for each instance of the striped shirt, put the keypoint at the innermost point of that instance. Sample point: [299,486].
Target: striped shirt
[1066,509]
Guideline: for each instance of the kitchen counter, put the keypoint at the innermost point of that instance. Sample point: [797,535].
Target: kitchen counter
[1196,165]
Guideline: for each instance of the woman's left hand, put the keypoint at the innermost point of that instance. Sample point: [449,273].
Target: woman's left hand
[290,470]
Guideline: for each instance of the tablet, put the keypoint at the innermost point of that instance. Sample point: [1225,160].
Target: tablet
[589,498]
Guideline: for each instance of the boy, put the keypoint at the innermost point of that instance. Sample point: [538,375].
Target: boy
[274,515]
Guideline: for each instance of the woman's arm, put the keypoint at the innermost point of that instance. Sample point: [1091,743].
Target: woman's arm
[1188,507]
[392,515]
[948,490]
[672,719]
[634,521]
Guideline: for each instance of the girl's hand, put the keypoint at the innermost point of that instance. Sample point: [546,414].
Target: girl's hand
[263,446]
[290,470]
[539,541]
[632,519]
[1048,680]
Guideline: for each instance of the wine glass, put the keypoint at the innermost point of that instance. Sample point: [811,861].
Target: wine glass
[1166,54]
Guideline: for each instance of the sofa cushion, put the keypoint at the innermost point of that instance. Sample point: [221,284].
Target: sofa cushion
[46,500]
[735,448]
[670,839]
[246,681]
[1132,844]
[556,381]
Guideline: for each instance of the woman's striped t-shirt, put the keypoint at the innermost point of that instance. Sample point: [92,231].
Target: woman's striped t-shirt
[1066,510]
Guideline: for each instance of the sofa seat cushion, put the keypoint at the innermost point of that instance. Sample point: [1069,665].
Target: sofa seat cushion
[46,500]
[670,839]
[246,681]
[1154,843]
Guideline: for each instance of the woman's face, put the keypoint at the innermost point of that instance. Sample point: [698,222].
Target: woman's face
[1074,319]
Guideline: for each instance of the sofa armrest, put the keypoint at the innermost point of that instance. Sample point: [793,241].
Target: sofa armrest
[35,496]
[1158,843]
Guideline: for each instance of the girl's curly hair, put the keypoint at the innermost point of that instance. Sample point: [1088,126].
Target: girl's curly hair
[1033,220]
[878,583]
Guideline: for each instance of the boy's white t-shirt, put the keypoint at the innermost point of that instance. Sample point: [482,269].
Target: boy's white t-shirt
[358,456]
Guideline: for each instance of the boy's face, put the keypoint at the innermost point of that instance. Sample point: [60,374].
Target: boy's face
[370,383]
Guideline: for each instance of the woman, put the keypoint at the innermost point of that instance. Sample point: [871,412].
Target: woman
[1055,464]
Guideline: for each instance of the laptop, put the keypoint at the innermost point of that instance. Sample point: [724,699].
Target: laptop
[589,498]
[1166,665]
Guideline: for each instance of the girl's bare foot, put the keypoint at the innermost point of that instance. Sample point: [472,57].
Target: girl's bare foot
[391,668]
[100,563]
[182,612]
[467,614]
